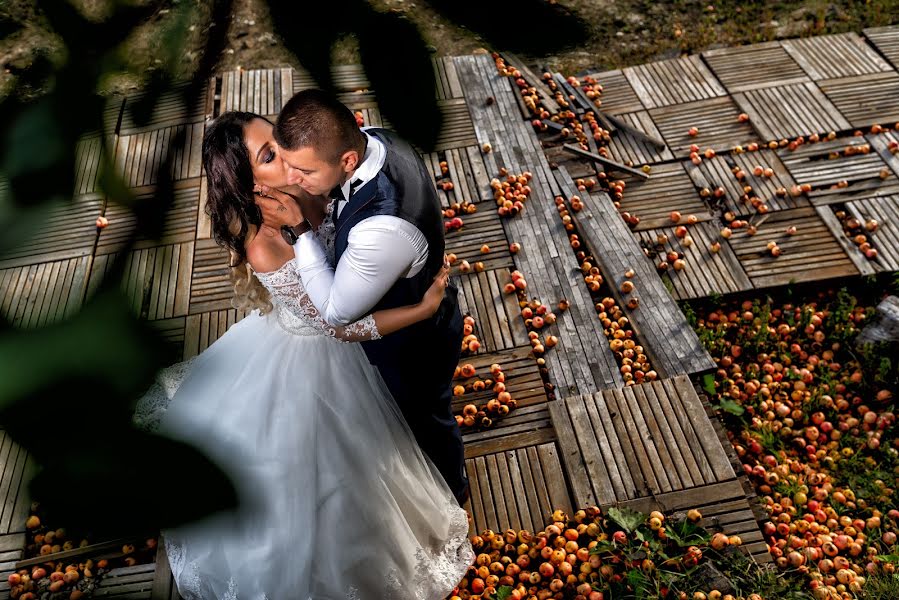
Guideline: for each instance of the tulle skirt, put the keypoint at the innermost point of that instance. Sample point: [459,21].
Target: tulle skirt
[338,501]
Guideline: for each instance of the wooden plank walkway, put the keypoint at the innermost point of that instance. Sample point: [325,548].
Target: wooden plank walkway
[560,447]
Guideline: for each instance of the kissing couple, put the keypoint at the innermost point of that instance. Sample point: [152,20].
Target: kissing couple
[330,404]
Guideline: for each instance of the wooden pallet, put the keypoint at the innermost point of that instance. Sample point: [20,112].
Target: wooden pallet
[669,188]
[65,230]
[481,228]
[471,183]
[523,379]
[262,91]
[210,284]
[180,224]
[638,442]
[138,156]
[88,154]
[754,66]
[670,342]
[789,111]
[498,321]
[448,84]
[528,426]
[724,507]
[886,239]
[18,468]
[156,280]
[618,96]
[886,40]
[716,119]
[582,360]
[39,294]
[517,488]
[813,253]
[11,552]
[169,109]
[631,149]
[835,56]
[201,330]
[707,273]
[717,172]
[865,99]
[134,583]
[811,164]
[675,81]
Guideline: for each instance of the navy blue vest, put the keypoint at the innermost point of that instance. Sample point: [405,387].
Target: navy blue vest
[403,188]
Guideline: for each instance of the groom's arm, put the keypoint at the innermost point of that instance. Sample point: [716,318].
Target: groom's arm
[380,251]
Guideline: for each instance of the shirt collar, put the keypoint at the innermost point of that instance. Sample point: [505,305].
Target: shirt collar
[372,163]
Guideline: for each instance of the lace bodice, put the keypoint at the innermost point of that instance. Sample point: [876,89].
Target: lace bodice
[326,233]
[298,315]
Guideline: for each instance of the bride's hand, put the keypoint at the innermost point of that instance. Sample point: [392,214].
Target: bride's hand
[434,296]
[278,208]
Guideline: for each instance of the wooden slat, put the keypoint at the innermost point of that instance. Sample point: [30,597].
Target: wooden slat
[675,81]
[834,56]
[41,294]
[634,150]
[865,99]
[885,210]
[618,96]
[717,122]
[670,188]
[180,225]
[789,111]
[754,66]
[886,40]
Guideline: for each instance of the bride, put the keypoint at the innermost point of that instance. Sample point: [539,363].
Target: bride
[337,499]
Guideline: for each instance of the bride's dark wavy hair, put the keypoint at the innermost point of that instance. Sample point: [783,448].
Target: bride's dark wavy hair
[231,204]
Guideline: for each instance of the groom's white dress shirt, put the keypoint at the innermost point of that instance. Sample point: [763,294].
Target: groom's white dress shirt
[380,250]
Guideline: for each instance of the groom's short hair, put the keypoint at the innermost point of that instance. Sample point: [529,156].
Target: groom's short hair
[316,119]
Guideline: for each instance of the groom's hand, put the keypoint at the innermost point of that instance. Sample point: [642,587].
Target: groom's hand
[278,208]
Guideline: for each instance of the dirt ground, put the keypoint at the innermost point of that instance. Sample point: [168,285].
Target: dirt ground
[624,32]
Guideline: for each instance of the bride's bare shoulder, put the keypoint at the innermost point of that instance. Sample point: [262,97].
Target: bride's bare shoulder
[267,251]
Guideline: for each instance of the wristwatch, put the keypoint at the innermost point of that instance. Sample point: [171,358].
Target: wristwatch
[292,234]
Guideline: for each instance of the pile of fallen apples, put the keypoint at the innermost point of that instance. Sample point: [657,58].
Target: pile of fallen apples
[490,399]
[594,555]
[813,421]
[68,578]
[511,192]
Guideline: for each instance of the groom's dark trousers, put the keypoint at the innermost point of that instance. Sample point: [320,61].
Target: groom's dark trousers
[418,362]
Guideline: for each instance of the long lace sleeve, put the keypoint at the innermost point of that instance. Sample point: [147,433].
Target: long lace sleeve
[297,313]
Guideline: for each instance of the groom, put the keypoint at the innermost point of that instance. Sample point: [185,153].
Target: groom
[389,246]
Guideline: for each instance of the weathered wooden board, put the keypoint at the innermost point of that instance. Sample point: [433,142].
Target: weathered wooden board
[754,66]
[139,156]
[835,56]
[40,294]
[865,99]
[811,254]
[649,439]
[716,119]
[789,111]
[668,189]
[675,81]
[885,210]
[498,321]
[210,283]
[582,360]
[707,273]
[618,96]
[825,165]
[885,39]
[180,224]
[718,172]
[670,342]
[201,330]
[628,148]
[517,489]
[66,230]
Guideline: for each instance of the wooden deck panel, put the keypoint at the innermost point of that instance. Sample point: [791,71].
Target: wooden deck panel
[582,359]
[754,66]
[863,173]
[865,99]
[886,40]
[707,273]
[670,342]
[717,122]
[885,210]
[618,95]
[811,254]
[675,81]
[497,315]
[835,56]
[790,111]
[627,148]
[668,189]
[40,294]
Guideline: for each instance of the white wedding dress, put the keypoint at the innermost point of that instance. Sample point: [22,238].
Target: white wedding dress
[338,501]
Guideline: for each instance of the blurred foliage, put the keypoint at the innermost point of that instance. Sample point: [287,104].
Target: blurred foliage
[67,389]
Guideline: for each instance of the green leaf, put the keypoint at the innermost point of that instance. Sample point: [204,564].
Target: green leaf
[731,407]
[626,518]
[602,547]
[708,383]
[503,592]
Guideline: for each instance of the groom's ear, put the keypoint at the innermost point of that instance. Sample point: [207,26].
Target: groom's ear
[350,160]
